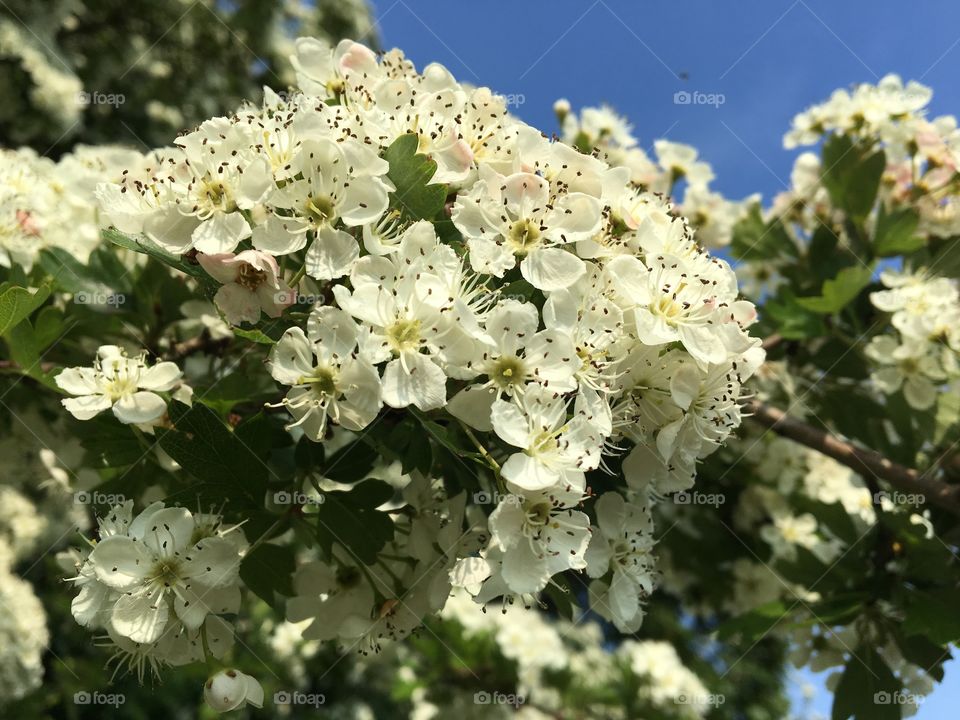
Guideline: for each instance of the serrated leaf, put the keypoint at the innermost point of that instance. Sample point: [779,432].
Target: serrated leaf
[851,175]
[145,246]
[837,293]
[792,321]
[350,518]
[17,303]
[351,463]
[254,335]
[754,239]
[755,623]
[867,690]
[933,614]
[210,452]
[896,232]
[268,570]
[411,173]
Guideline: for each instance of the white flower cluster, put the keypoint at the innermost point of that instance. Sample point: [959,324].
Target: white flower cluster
[363,606]
[921,358]
[125,385]
[542,648]
[47,204]
[23,635]
[922,155]
[670,682]
[867,110]
[628,333]
[159,582]
[54,90]
[821,649]
[603,131]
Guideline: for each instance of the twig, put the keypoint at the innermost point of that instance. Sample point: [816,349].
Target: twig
[771,342]
[201,343]
[861,460]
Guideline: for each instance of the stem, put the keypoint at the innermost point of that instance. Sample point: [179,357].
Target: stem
[298,276]
[864,461]
[494,465]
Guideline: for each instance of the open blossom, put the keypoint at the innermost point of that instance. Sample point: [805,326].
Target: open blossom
[540,534]
[515,217]
[553,450]
[126,385]
[329,379]
[163,566]
[251,285]
[622,543]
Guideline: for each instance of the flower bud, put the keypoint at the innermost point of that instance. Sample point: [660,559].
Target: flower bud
[231,689]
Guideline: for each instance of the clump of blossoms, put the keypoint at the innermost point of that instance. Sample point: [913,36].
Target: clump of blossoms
[46,204]
[921,154]
[462,270]
[159,583]
[601,131]
[920,357]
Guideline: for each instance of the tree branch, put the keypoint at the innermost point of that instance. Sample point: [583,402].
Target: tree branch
[861,460]
[201,343]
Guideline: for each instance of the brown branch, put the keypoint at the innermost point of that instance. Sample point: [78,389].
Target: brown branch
[201,343]
[771,342]
[859,459]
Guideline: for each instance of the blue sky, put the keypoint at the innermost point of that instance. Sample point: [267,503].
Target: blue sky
[768,58]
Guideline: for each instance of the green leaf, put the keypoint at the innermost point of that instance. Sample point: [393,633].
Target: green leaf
[792,321]
[946,259]
[839,292]
[254,335]
[23,347]
[48,326]
[145,246]
[896,232]
[101,281]
[268,570]
[867,690]
[838,610]
[933,613]
[350,464]
[207,449]
[350,518]
[922,652]
[109,444]
[17,303]
[754,624]
[753,239]
[851,175]
[410,173]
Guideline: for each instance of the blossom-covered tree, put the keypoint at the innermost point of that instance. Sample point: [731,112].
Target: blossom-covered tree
[376,381]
